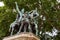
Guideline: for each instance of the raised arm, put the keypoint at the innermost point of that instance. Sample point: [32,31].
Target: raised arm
[17,8]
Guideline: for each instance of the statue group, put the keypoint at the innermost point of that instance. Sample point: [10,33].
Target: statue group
[24,22]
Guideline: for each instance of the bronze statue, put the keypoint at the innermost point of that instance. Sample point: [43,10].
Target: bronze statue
[25,21]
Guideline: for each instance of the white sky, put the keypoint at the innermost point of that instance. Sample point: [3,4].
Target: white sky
[58,1]
[1,4]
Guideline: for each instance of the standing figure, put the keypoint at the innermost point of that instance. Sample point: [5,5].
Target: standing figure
[16,23]
[25,23]
[34,24]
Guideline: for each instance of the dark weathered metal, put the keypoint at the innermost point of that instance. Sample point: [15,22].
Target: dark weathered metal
[25,20]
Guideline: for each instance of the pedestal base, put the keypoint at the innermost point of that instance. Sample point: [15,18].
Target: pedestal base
[22,36]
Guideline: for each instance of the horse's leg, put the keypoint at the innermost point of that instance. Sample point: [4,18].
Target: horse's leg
[9,29]
[30,30]
[25,27]
[20,28]
[12,31]
[36,28]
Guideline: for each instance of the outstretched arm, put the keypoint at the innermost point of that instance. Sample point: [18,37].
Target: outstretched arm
[17,8]
[19,12]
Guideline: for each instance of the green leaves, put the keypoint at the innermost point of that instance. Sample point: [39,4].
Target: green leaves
[50,9]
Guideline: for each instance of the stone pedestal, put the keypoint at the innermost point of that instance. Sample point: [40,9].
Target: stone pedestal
[22,36]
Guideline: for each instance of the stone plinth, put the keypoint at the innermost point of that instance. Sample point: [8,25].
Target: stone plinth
[22,36]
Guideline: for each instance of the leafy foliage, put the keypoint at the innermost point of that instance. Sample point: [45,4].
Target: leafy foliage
[50,9]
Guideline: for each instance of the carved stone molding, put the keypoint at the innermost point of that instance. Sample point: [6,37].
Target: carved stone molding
[23,36]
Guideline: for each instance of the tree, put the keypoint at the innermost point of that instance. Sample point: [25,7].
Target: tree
[49,11]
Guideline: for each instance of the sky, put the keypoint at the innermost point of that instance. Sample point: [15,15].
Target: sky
[1,4]
[58,1]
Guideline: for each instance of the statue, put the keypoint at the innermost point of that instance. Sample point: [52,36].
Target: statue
[25,21]
[18,19]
